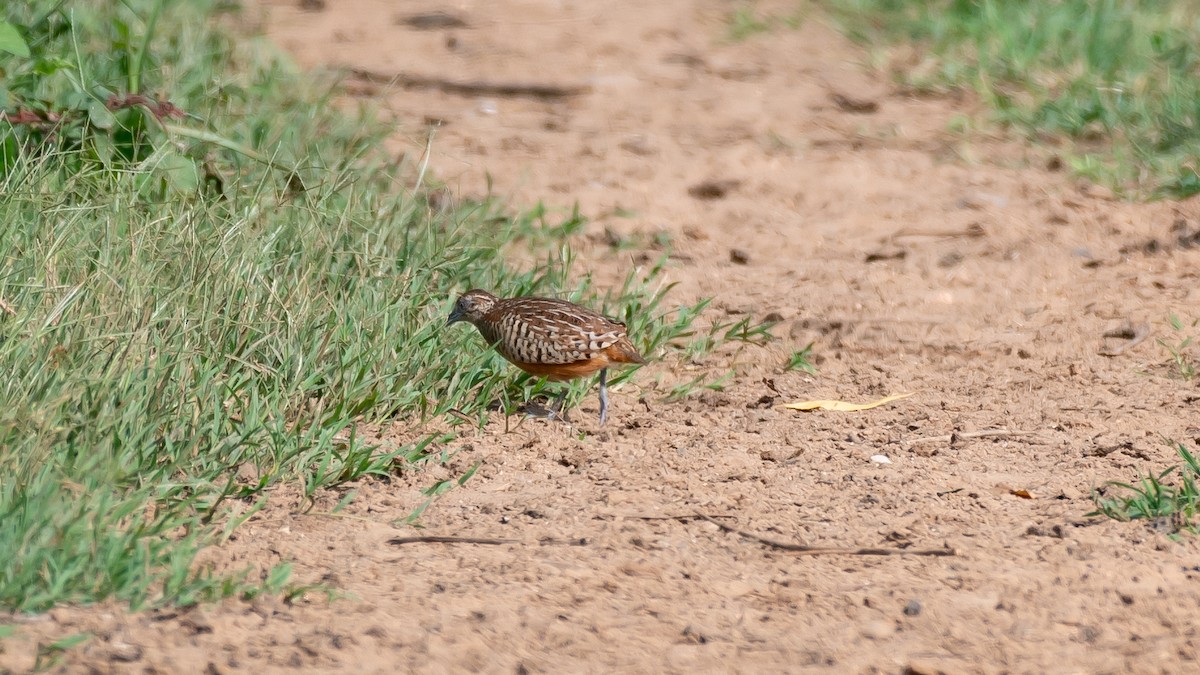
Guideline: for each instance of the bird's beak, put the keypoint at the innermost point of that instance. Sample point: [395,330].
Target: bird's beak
[454,317]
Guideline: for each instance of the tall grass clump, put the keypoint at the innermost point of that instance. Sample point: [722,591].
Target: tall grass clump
[209,274]
[1116,78]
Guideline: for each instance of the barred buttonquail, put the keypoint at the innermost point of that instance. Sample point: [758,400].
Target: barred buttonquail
[555,339]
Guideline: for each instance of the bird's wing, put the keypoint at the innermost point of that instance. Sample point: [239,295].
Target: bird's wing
[556,332]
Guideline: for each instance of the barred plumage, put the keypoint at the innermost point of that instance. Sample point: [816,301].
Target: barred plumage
[555,339]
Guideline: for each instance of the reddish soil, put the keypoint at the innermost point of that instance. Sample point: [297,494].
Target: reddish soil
[964,269]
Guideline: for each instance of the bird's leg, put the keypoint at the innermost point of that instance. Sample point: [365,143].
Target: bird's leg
[558,410]
[603,395]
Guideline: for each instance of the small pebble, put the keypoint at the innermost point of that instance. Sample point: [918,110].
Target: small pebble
[878,630]
[913,608]
[125,652]
[880,459]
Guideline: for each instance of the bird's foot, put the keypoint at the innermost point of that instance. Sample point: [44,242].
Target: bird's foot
[545,410]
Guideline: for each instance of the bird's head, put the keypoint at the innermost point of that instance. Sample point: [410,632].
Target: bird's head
[471,306]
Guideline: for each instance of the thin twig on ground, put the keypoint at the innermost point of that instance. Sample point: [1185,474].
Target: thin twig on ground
[635,516]
[470,87]
[819,550]
[964,435]
[485,541]
[435,539]
[971,231]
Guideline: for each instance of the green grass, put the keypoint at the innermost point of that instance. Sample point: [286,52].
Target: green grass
[51,655]
[1168,499]
[746,21]
[801,360]
[1179,346]
[205,305]
[1115,79]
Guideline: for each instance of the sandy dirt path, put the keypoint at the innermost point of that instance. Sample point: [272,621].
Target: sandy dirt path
[792,181]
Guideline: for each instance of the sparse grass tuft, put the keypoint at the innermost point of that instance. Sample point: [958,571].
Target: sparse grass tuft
[1180,347]
[801,360]
[707,382]
[51,655]
[1116,79]
[1170,506]
[746,21]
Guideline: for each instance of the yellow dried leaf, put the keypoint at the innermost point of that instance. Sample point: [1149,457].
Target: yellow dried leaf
[843,406]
